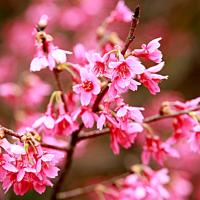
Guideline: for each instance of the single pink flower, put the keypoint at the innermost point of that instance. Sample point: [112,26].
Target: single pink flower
[158,150]
[47,121]
[150,51]
[98,63]
[124,137]
[150,79]
[123,74]
[121,13]
[88,88]
[64,124]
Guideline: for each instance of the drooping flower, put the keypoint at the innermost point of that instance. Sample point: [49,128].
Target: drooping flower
[47,54]
[150,51]
[47,121]
[158,150]
[64,124]
[121,13]
[124,136]
[88,88]
[150,79]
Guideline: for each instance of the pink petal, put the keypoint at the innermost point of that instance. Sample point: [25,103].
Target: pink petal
[9,167]
[85,98]
[20,175]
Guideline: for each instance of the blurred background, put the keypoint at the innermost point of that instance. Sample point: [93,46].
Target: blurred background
[76,21]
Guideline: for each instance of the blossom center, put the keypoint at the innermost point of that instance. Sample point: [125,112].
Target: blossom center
[123,70]
[87,85]
[99,67]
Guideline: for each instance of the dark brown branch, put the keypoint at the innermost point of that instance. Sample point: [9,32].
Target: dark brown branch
[68,163]
[49,146]
[9,132]
[134,22]
[95,107]
[89,188]
[93,134]
[73,142]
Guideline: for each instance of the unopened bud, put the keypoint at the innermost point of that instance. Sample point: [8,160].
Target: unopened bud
[43,22]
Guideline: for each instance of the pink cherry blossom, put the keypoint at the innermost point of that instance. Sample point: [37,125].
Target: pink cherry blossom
[124,137]
[88,88]
[124,72]
[158,150]
[26,170]
[50,59]
[147,185]
[98,64]
[128,112]
[64,124]
[121,13]
[88,118]
[47,121]
[150,51]
[150,79]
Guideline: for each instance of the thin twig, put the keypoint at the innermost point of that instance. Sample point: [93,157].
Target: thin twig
[175,114]
[93,134]
[134,22]
[89,188]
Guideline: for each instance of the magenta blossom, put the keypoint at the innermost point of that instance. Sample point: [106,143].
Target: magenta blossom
[98,64]
[88,88]
[144,184]
[150,79]
[150,51]
[121,13]
[124,137]
[158,150]
[123,74]
[27,170]
[64,124]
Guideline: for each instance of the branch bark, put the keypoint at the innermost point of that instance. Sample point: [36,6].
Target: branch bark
[89,188]
[131,37]
[72,145]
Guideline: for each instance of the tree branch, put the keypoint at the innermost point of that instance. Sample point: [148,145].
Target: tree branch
[89,188]
[95,133]
[73,142]
[134,22]
[174,114]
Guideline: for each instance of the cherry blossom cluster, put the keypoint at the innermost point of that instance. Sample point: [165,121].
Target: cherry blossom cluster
[186,129]
[147,184]
[99,80]
[26,166]
[95,72]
